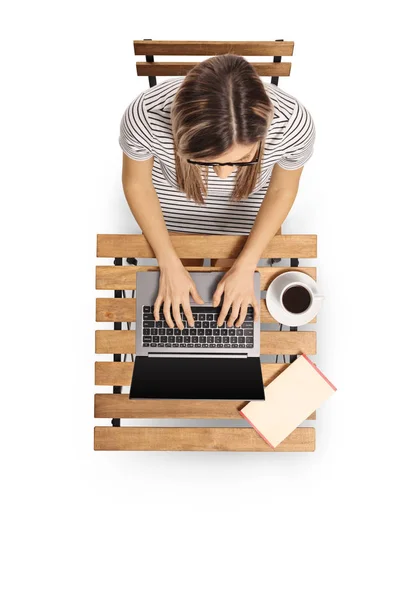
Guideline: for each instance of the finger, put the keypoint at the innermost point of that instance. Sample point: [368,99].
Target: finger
[218,293]
[256,306]
[167,313]
[157,305]
[196,296]
[224,311]
[242,314]
[188,312]
[234,313]
[177,314]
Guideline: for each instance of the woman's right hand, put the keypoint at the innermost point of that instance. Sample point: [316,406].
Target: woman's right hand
[174,289]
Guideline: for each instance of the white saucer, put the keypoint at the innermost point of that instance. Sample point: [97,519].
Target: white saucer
[279,313]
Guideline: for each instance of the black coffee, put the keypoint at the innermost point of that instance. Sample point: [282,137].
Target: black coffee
[296,299]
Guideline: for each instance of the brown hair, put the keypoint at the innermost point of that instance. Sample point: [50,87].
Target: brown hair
[221,101]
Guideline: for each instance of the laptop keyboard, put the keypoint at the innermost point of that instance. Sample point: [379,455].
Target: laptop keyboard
[204,334]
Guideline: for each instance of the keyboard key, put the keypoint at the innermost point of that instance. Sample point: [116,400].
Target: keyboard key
[186,339]
[247,323]
[225,339]
[250,340]
[182,345]
[164,338]
[202,316]
[171,338]
[158,324]
[192,331]
[175,345]
[197,324]
[204,345]
[170,331]
[168,345]
[160,344]
[232,339]
[150,324]
[197,345]
[203,339]
[153,344]
[224,332]
[232,331]
[210,339]
[145,344]
[146,309]
[154,331]
[248,332]
[218,339]
[219,345]
[235,345]
[190,345]
[209,332]
[249,345]
[185,331]
[242,345]
[148,318]
[240,332]
[156,338]
[213,324]
[212,345]
[146,331]
[195,339]
[177,332]
[147,338]
[200,332]
[241,339]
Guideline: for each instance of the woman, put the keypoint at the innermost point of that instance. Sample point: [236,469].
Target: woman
[218,151]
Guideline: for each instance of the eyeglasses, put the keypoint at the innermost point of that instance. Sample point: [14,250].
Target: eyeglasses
[231,164]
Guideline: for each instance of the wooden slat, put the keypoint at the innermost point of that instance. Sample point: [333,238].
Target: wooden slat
[120,407]
[120,373]
[165,69]
[205,246]
[211,48]
[124,278]
[123,310]
[237,439]
[271,342]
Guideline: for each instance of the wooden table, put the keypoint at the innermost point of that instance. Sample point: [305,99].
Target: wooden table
[120,342]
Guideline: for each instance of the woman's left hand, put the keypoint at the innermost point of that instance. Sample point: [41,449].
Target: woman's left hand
[237,285]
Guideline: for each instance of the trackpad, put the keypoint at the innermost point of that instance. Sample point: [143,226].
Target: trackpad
[197,379]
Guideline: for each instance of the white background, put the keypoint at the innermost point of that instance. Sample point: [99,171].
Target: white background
[80,524]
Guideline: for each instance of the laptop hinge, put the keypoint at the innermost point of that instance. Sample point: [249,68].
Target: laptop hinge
[196,355]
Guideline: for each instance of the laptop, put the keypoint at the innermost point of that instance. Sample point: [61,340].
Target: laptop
[205,362]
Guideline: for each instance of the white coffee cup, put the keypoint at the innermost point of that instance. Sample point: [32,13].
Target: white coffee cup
[280,285]
[314,297]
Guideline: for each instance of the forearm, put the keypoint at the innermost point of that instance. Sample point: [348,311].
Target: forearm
[145,206]
[273,211]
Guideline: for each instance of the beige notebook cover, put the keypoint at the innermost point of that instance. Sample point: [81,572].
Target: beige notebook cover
[289,400]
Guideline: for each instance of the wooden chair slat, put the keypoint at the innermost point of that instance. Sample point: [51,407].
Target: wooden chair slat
[120,373]
[205,246]
[124,278]
[119,406]
[168,69]
[123,310]
[271,342]
[239,439]
[206,48]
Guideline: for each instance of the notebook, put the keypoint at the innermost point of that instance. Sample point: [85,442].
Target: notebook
[289,400]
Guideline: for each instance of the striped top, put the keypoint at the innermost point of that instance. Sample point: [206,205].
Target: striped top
[146,131]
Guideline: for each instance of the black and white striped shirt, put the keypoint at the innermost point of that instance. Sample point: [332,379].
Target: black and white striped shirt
[145,131]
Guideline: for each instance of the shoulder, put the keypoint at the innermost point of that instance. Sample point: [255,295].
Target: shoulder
[159,97]
[290,114]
